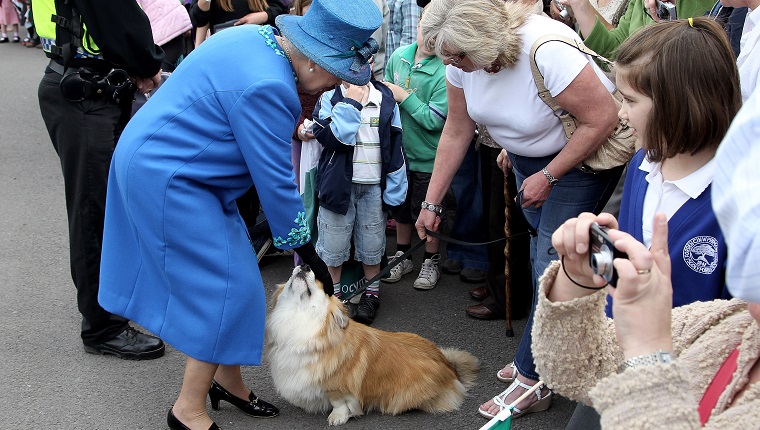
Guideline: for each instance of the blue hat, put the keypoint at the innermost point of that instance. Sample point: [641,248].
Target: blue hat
[336,35]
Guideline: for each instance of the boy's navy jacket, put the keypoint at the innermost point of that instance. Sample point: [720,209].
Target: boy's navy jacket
[338,138]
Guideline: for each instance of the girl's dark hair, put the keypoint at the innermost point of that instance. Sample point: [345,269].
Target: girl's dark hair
[689,71]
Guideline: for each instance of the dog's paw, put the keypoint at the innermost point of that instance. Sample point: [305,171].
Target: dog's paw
[338,416]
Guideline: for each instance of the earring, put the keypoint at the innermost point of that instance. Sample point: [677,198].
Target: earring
[311,70]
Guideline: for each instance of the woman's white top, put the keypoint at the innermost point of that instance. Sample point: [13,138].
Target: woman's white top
[507,102]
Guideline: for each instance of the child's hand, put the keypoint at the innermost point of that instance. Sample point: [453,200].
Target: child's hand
[360,93]
[399,94]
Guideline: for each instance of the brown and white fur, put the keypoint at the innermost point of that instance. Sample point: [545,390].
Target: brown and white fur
[321,359]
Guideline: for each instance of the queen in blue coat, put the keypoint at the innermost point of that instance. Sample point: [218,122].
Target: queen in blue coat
[176,256]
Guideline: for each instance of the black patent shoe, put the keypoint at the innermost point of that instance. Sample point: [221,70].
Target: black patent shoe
[130,344]
[175,424]
[254,406]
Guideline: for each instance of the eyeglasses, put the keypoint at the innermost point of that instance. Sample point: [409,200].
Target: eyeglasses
[456,58]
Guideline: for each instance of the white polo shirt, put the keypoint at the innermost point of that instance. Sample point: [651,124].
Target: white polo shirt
[669,196]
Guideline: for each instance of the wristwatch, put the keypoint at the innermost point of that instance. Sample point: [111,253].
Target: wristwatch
[552,180]
[437,209]
[647,360]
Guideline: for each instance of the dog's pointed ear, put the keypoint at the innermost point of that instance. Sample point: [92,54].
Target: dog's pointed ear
[338,313]
[277,293]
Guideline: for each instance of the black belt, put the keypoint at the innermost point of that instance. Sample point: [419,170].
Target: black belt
[80,83]
[57,68]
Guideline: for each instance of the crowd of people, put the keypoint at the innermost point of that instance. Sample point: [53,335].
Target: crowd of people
[332,118]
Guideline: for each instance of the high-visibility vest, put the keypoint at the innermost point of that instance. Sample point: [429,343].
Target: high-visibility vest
[62,33]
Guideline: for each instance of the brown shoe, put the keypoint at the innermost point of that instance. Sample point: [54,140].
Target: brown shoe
[481,312]
[479,293]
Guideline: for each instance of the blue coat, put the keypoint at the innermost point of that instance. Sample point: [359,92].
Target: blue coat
[696,244]
[338,136]
[176,255]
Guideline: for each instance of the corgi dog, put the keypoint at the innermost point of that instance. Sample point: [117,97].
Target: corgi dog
[320,359]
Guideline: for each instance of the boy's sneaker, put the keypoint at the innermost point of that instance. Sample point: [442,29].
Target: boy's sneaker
[429,274]
[399,270]
[367,309]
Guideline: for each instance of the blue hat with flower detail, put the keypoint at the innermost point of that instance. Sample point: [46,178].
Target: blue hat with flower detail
[336,35]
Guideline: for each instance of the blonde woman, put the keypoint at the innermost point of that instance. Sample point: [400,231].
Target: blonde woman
[486,44]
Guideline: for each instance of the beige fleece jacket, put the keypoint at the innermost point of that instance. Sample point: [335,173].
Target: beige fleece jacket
[577,355]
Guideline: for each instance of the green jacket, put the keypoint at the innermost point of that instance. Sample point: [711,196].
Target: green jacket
[605,42]
[424,112]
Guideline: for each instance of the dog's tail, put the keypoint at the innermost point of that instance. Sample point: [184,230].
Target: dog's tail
[465,364]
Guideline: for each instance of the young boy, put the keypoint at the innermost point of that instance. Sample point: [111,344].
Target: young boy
[418,81]
[362,171]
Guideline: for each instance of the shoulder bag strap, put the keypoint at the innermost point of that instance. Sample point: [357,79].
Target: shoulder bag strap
[543,92]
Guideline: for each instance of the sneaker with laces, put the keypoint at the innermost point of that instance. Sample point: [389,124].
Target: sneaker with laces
[399,270]
[429,274]
[367,309]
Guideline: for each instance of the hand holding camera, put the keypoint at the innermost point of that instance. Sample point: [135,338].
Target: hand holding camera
[661,10]
[643,299]
[573,243]
[666,11]
[564,11]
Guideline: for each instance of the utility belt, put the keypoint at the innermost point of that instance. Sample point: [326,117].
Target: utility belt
[82,83]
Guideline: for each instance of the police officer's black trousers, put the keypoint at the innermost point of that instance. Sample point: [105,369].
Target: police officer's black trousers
[84,134]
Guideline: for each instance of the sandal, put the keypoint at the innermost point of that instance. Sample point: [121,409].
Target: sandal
[543,401]
[513,373]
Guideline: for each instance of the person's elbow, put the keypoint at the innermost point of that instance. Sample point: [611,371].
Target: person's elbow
[605,117]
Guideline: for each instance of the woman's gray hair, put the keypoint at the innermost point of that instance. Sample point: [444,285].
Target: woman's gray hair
[486,30]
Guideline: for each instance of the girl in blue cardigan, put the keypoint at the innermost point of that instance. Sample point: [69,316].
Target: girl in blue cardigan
[681,89]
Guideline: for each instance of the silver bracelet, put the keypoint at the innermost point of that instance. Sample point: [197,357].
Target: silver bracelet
[437,209]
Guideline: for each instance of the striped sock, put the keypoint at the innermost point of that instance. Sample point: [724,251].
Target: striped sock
[336,290]
[373,289]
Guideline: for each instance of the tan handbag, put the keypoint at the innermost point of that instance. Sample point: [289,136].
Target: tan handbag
[619,147]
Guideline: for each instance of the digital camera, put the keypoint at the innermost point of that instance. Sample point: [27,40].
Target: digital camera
[602,253]
[563,11]
[666,11]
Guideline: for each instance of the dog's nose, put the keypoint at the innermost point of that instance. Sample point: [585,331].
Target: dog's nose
[305,268]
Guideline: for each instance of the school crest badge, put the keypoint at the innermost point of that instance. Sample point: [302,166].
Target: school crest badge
[701,254]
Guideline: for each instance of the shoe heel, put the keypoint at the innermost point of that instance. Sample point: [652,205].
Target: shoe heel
[214,400]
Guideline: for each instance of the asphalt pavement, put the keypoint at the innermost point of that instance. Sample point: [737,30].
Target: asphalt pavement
[49,382]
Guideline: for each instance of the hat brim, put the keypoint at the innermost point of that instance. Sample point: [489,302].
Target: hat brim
[325,56]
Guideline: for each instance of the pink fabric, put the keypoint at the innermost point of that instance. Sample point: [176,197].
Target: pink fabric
[8,13]
[168,19]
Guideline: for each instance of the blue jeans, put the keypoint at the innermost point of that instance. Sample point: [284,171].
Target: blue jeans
[576,192]
[469,221]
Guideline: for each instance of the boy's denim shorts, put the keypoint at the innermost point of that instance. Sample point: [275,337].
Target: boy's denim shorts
[364,221]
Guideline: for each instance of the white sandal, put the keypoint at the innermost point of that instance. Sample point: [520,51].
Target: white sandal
[543,402]
[508,380]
